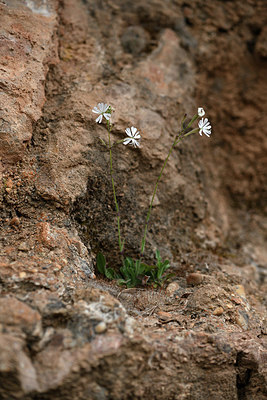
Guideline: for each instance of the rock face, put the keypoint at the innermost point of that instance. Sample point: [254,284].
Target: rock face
[26,54]
[65,333]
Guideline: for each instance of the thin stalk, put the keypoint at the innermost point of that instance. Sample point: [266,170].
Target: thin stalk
[113,187]
[192,120]
[178,139]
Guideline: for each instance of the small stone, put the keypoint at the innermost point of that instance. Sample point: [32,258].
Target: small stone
[101,327]
[194,279]
[163,315]
[8,189]
[14,221]
[172,287]
[22,275]
[9,183]
[218,311]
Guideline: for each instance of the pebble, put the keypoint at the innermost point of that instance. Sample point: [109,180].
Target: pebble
[101,327]
[172,287]
[218,311]
[194,279]
[165,316]
[9,183]
[14,221]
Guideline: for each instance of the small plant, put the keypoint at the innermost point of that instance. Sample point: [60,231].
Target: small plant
[135,272]
[158,275]
[132,272]
[101,266]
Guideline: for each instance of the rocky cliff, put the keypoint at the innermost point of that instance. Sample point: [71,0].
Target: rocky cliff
[65,332]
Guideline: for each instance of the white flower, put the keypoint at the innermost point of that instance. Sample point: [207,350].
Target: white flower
[134,137]
[205,127]
[201,112]
[101,110]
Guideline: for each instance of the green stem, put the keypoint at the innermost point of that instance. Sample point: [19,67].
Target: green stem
[192,120]
[190,133]
[113,187]
[118,142]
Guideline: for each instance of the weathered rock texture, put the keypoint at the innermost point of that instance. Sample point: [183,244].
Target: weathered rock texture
[66,333]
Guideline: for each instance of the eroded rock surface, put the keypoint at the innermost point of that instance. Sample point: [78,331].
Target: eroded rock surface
[66,333]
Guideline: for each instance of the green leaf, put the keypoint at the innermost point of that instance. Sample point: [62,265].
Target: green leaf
[148,268]
[122,282]
[129,261]
[165,278]
[158,256]
[166,264]
[162,268]
[139,268]
[111,274]
[128,282]
[103,142]
[101,263]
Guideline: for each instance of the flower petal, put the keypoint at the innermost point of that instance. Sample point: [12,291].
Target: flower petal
[127,141]
[201,123]
[136,143]
[201,112]
[101,107]
[96,110]
[133,129]
[107,116]
[99,118]
[128,131]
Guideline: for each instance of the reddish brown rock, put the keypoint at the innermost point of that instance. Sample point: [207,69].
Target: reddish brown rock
[14,313]
[194,279]
[27,49]
[17,373]
[65,335]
